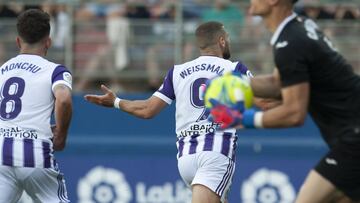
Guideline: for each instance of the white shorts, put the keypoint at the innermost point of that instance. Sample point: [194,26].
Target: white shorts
[41,184]
[211,169]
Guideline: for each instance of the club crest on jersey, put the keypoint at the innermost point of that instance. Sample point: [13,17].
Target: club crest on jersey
[281,44]
[67,77]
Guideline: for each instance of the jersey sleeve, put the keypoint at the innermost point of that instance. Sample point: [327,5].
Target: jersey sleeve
[61,75]
[166,90]
[243,69]
[291,62]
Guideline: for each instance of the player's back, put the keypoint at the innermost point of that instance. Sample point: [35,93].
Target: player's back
[186,83]
[26,106]
[189,81]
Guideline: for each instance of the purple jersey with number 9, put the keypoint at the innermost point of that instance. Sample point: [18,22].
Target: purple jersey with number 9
[185,84]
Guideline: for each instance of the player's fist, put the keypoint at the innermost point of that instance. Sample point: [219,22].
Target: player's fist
[227,117]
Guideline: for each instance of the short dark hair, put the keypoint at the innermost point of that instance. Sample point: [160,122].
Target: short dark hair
[208,33]
[33,25]
[294,1]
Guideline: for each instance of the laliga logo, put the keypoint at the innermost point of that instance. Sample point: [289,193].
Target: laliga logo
[104,185]
[267,186]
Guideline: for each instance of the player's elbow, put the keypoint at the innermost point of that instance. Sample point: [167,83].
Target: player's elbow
[297,118]
[147,115]
[65,102]
[142,114]
[63,96]
[298,121]
[59,140]
[59,146]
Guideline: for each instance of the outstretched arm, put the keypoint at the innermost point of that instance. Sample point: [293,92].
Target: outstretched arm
[140,108]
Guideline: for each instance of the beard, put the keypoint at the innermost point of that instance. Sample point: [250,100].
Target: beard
[226,52]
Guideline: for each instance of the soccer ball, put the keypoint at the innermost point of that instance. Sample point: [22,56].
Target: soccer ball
[231,90]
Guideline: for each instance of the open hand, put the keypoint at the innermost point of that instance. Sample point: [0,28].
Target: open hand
[107,99]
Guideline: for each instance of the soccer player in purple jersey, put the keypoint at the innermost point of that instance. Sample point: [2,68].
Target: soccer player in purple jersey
[31,88]
[206,154]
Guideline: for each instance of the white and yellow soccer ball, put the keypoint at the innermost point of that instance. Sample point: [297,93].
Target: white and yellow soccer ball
[229,89]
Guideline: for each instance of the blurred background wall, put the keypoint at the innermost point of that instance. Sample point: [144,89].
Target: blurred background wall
[129,45]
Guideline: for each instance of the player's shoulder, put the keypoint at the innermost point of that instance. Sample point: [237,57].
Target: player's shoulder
[54,67]
[293,39]
[56,70]
[186,64]
[296,32]
[51,64]
[37,60]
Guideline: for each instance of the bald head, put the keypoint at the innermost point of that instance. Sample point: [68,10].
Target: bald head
[208,34]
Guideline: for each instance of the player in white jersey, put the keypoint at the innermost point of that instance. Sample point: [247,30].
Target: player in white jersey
[206,155]
[31,88]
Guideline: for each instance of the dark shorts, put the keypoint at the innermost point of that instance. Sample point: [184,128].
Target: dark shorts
[343,171]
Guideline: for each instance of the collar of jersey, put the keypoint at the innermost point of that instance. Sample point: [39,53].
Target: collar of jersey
[209,56]
[28,55]
[281,27]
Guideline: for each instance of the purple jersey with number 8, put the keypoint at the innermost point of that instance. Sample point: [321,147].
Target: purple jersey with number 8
[26,105]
